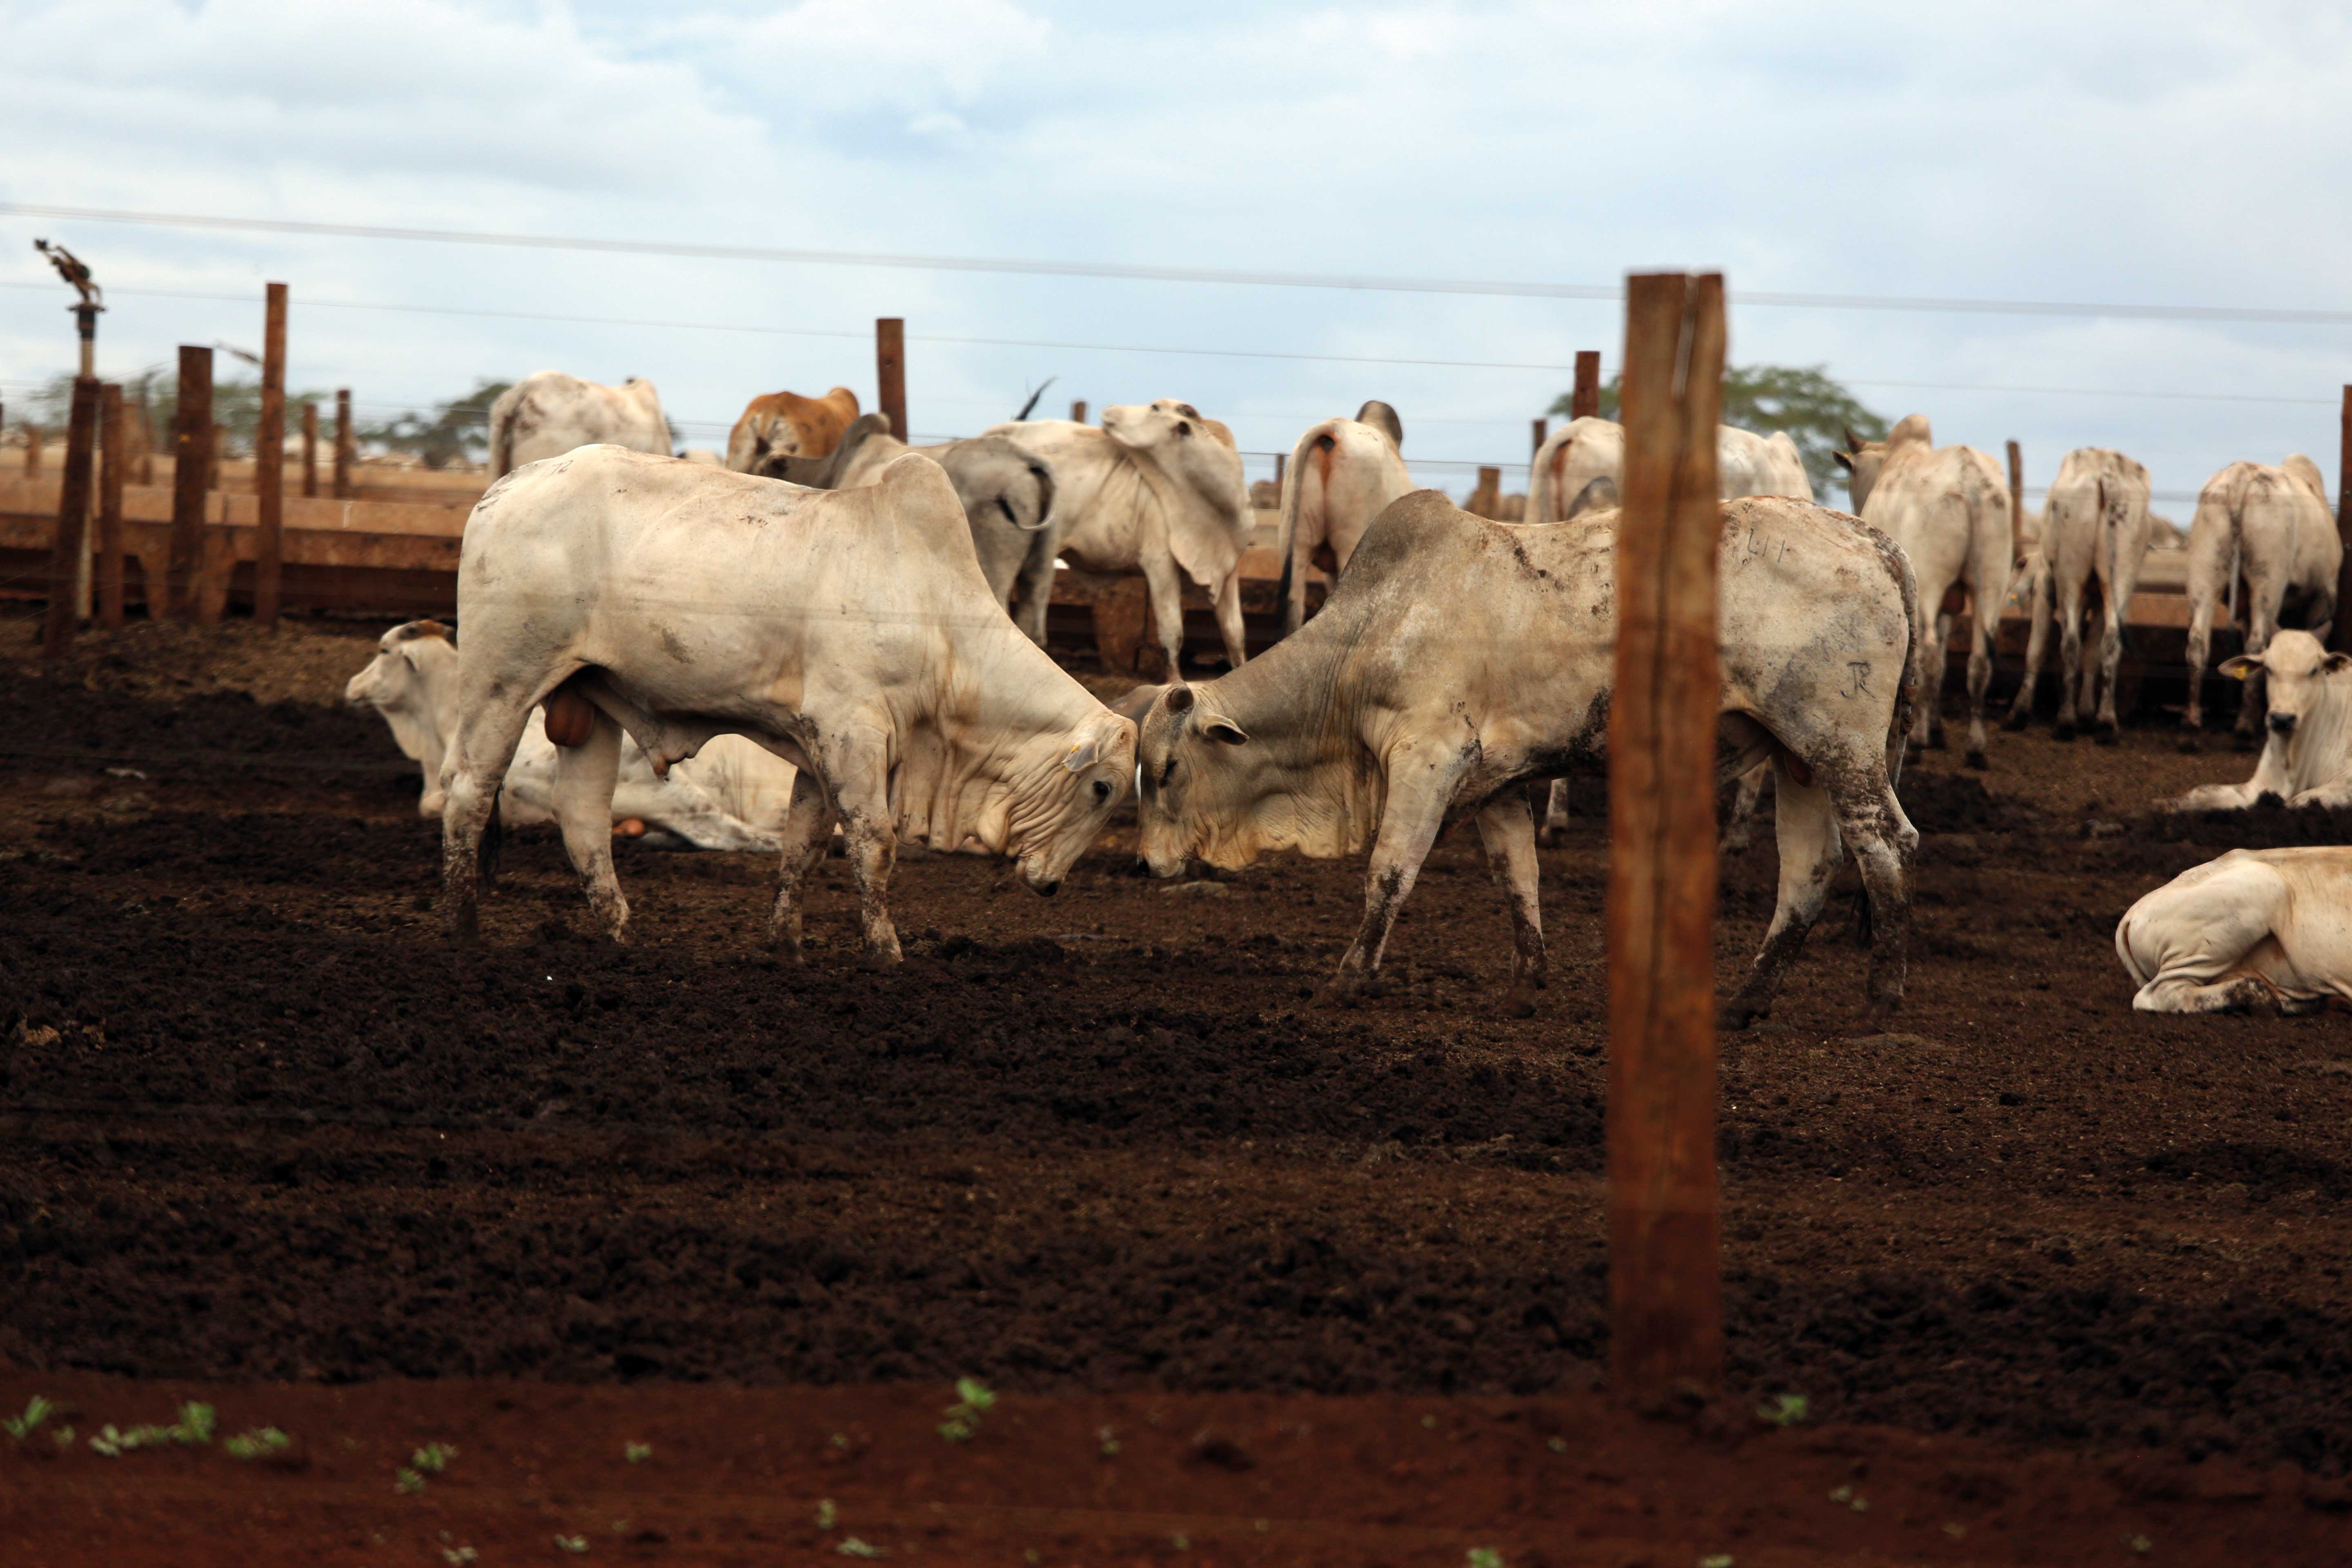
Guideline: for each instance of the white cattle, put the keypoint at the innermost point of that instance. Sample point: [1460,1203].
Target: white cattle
[1948,509]
[849,632]
[2307,753]
[2095,535]
[2273,524]
[2257,927]
[547,413]
[1458,658]
[1007,494]
[1574,458]
[1576,470]
[731,795]
[1157,489]
[1342,474]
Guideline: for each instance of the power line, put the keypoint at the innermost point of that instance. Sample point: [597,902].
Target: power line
[1145,349]
[1134,273]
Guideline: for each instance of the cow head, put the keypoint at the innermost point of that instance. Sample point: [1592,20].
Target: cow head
[1382,418]
[1188,759]
[1864,461]
[401,682]
[2295,670]
[1069,803]
[1198,452]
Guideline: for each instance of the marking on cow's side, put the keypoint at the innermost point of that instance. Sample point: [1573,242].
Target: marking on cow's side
[1857,673]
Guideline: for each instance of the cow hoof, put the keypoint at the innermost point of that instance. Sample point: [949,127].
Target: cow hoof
[2062,731]
[1520,1004]
[1738,1014]
[2191,745]
[1977,760]
[2107,735]
[2017,719]
[1936,740]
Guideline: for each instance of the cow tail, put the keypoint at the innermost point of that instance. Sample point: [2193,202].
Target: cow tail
[1292,487]
[501,442]
[1914,679]
[494,840]
[1538,507]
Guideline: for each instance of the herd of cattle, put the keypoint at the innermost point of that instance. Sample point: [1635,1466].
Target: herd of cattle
[834,632]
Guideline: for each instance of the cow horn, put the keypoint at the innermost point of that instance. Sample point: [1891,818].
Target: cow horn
[1853,441]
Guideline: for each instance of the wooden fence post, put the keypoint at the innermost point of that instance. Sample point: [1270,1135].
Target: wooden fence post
[269,460]
[114,464]
[2342,636]
[33,434]
[2016,501]
[1584,403]
[346,443]
[890,373]
[1487,499]
[70,552]
[147,466]
[1665,1283]
[310,449]
[1280,461]
[1540,428]
[192,427]
[1077,412]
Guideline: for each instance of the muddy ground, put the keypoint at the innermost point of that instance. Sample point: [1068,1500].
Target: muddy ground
[257,1122]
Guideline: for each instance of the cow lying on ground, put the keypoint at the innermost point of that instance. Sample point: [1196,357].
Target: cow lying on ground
[1007,495]
[2307,753]
[786,425]
[730,796]
[1949,509]
[547,413]
[2094,539]
[1157,489]
[1458,658]
[2255,927]
[1342,474]
[850,633]
[2273,524]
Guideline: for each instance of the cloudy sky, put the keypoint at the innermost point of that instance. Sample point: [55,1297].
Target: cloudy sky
[2122,155]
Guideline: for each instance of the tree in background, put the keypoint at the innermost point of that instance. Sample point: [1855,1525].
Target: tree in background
[1813,409]
[455,431]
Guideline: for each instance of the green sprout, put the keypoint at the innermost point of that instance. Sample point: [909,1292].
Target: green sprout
[2141,1543]
[62,1437]
[1107,1439]
[852,1547]
[195,1427]
[637,1453]
[259,1443]
[827,1516]
[1557,1445]
[433,1457]
[1721,1559]
[1486,1557]
[575,1545]
[405,1481]
[459,1556]
[973,1398]
[112,1443]
[1786,1409]
[36,1410]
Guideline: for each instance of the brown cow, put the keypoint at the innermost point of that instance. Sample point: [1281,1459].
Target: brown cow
[786,425]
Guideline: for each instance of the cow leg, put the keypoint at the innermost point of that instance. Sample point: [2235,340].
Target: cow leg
[1228,619]
[470,774]
[1410,818]
[1740,831]
[1811,853]
[2111,653]
[1035,586]
[584,777]
[862,796]
[2037,644]
[2070,655]
[807,830]
[1294,603]
[1984,621]
[1506,828]
[1927,722]
[1883,843]
[1555,822]
[1165,585]
[2199,644]
[2253,697]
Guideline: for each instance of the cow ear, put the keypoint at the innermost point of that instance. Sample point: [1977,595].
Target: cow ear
[1853,441]
[1223,730]
[1081,757]
[2335,662]
[1843,461]
[1187,411]
[1180,700]
[2241,666]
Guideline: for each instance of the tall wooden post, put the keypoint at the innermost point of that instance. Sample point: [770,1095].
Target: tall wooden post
[310,449]
[147,461]
[113,468]
[346,443]
[2342,636]
[1487,499]
[2016,501]
[269,460]
[191,430]
[1538,429]
[1584,403]
[1665,1283]
[33,434]
[1077,412]
[70,552]
[1280,461]
[890,373]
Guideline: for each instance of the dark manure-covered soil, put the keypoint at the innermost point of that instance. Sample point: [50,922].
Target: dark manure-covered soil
[257,1119]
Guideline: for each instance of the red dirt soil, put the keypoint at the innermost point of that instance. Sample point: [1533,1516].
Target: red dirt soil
[261,1129]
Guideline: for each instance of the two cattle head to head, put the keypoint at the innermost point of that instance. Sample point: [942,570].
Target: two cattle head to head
[1183,746]
[2295,668]
[1092,774]
[402,655]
